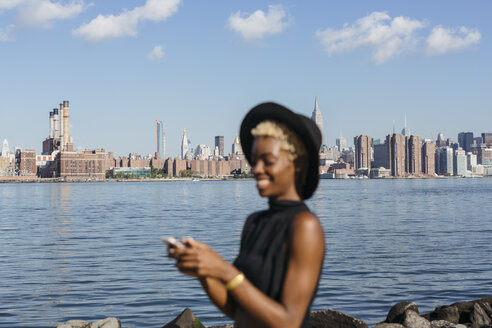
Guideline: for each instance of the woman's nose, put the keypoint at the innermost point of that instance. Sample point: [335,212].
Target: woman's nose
[258,168]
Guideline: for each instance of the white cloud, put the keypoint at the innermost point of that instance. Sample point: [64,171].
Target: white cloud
[259,24]
[156,53]
[6,34]
[386,37]
[105,27]
[442,40]
[389,37]
[41,13]
[9,4]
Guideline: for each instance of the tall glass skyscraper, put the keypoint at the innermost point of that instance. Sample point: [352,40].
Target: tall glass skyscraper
[184,145]
[160,139]
[317,117]
[219,142]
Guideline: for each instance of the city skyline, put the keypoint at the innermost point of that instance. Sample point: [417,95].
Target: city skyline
[401,155]
[201,67]
[58,123]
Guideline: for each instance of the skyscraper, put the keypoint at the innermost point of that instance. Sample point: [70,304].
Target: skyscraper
[237,151]
[405,131]
[413,155]
[396,154]
[459,162]
[428,158]
[362,152]
[160,139]
[318,118]
[219,142]
[184,145]
[487,138]
[381,156]
[341,143]
[5,148]
[465,140]
[446,161]
[440,142]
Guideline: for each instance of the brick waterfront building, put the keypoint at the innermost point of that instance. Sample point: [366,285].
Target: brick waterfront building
[27,163]
[396,154]
[77,165]
[428,158]
[413,155]
[362,152]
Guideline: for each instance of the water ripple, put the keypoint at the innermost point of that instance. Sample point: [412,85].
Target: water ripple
[89,251]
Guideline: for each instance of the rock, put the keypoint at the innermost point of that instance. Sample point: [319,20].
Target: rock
[389,325]
[395,315]
[332,318]
[73,324]
[466,308]
[479,316]
[185,320]
[411,319]
[487,307]
[448,313]
[442,324]
[104,323]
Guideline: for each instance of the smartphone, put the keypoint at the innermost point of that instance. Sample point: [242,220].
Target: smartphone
[172,242]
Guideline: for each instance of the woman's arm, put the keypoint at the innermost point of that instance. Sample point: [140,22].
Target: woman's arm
[304,265]
[218,295]
[212,286]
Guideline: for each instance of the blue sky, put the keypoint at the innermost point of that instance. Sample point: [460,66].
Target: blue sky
[200,65]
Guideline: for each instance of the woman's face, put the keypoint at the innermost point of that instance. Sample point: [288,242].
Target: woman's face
[274,172]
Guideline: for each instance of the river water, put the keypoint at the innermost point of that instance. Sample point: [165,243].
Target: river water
[92,250]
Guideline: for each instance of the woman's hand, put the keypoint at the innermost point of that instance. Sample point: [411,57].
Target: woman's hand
[200,261]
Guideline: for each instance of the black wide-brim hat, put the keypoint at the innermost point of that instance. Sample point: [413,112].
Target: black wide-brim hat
[306,130]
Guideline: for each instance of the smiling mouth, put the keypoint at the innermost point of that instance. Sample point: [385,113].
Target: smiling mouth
[262,183]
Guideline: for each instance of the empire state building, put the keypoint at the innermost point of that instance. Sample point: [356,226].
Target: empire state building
[317,118]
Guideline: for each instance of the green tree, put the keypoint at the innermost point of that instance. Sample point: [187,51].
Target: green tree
[188,174]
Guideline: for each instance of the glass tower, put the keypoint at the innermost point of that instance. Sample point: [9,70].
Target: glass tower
[160,139]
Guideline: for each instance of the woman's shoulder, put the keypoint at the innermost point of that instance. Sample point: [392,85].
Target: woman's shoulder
[306,225]
[306,216]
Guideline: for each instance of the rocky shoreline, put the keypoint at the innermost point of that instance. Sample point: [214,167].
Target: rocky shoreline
[473,314]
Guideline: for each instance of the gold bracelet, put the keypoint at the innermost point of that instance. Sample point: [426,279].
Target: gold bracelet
[234,282]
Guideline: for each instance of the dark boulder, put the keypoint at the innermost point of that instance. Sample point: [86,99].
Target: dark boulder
[479,316]
[397,312]
[332,318]
[466,308]
[487,308]
[462,310]
[448,313]
[185,320]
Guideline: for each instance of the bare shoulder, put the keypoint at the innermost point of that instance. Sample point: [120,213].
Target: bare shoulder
[307,222]
[307,231]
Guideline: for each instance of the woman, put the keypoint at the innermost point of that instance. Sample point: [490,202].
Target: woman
[274,279]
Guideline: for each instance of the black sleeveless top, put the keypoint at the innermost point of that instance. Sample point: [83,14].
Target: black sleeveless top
[264,250]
